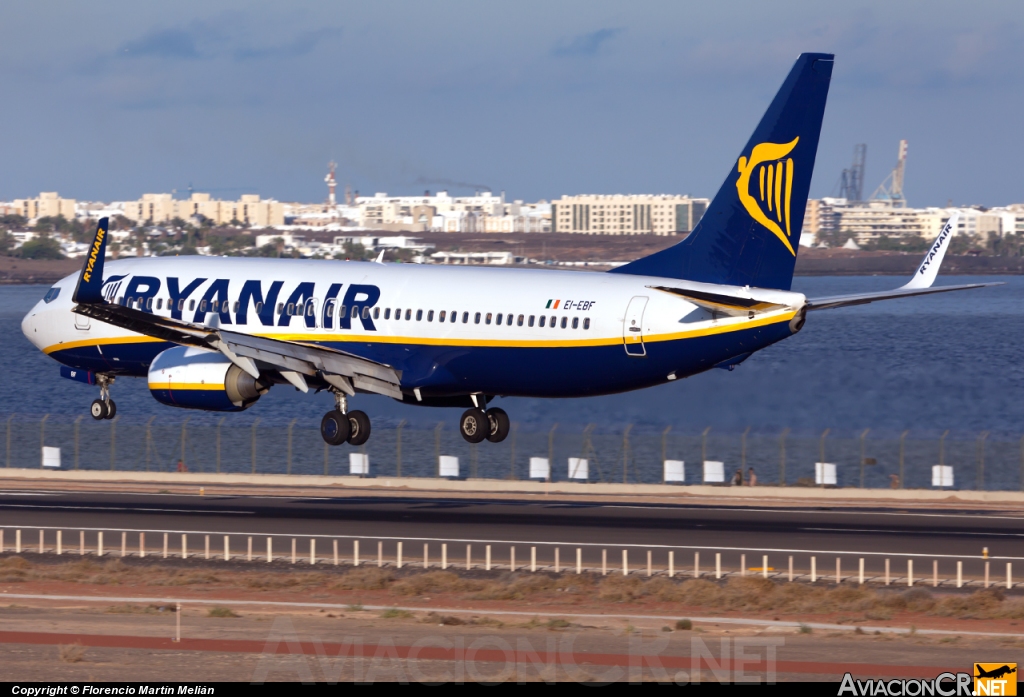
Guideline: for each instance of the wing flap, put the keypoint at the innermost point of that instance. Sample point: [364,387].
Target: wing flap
[716,302]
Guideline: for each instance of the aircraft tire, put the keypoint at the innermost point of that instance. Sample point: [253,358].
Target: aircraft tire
[499,424]
[334,428]
[111,409]
[474,425]
[98,409]
[359,427]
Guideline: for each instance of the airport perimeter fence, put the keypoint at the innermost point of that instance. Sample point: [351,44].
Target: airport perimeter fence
[983,461]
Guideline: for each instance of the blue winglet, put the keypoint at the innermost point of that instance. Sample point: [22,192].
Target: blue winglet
[750,233]
[90,282]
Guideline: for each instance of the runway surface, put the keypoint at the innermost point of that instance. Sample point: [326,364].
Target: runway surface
[942,535]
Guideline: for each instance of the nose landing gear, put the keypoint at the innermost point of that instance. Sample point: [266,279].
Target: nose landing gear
[341,425]
[104,407]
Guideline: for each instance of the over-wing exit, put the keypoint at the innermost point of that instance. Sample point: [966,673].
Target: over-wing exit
[217,333]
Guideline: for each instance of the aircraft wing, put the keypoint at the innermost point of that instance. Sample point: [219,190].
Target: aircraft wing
[291,359]
[920,284]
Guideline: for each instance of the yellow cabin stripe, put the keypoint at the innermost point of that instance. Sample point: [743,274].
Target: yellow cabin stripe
[185,386]
[723,327]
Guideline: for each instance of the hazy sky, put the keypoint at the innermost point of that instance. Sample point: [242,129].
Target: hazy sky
[111,100]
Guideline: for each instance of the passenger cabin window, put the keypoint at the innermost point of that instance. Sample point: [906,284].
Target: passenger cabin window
[531,321]
[355,312]
[341,311]
[497,320]
[376,313]
[586,323]
[309,309]
[543,319]
[455,316]
[387,313]
[509,322]
[159,303]
[476,318]
[366,312]
[280,308]
[465,317]
[259,308]
[398,313]
[487,320]
[440,315]
[565,320]
[408,314]
[202,305]
[430,316]
[519,321]
[419,315]
[554,320]
[236,306]
[181,304]
[575,322]
[149,303]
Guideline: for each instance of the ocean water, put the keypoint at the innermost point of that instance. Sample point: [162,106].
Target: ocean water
[949,362]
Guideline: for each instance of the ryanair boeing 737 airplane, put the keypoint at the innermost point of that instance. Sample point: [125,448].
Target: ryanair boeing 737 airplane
[217,333]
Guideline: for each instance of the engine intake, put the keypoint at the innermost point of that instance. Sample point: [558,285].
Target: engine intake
[194,378]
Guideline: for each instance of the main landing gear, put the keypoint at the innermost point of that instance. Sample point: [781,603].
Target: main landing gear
[341,425]
[478,425]
[104,407]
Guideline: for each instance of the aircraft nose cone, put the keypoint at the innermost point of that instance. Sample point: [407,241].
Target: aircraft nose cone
[30,327]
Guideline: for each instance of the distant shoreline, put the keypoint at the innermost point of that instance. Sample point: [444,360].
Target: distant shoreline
[810,262]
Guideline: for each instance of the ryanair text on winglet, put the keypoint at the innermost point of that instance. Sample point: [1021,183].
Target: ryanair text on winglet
[97,243]
[939,241]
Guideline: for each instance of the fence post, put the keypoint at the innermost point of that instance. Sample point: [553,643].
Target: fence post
[11,417]
[184,435]
[604,562]
[1009,576]
[664,451]
[42,434]
[253,439]
[625,562]
[860,575]
[398,448]
[671,564]
[291,425]
[743,565]
[822,453]
[887,572]
[60,542]
[293,550]
[533,559]
[790,568]
[113,444]
[959,574]
[814,570]
[81,543]
[839,576]
[981,460]
[469,557]
[696,564]
[398,558]
[380,554]
[219,424]
[227,549]
[270,549]
[579,560]
[437,448]
[910,572]
[487,561]
[512,559]
[862,456]
[312,551]
[165,546]
[206,547]
[77,422]
[551,450]
[903,439]
[184,546]
[99,544]
[355,552]
[625,451]
[124,543]
[558,564]
[986,573]
[718,565]
[935,573]
[782,457]
[249,550]
[764,566]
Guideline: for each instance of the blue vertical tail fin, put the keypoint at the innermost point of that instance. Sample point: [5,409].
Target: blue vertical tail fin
[750,233]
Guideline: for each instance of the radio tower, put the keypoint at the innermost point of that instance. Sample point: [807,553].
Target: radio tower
[332,183]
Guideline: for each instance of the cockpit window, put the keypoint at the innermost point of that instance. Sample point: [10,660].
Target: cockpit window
[51,295]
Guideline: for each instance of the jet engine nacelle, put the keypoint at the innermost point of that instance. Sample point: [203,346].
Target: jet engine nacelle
[195,378]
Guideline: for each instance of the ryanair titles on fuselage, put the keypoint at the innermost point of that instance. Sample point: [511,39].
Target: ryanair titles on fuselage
[271,308]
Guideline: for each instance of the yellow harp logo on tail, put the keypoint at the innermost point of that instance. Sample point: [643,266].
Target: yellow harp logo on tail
[773,174]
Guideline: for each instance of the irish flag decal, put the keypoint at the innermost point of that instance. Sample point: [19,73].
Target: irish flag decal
[549,306]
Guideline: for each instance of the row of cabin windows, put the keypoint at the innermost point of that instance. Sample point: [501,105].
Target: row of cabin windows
[296,309]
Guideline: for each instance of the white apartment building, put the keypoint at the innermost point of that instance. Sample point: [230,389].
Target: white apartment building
[872,220]
[249,209]
[627,215]
[484,212]
[47,204]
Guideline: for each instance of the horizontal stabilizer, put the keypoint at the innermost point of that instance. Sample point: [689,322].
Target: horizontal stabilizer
[716,302]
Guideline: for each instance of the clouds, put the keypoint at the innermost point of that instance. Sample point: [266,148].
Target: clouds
[586,44]
[533,98]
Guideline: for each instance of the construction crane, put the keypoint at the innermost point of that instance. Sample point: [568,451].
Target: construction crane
[851,184]
[891,190]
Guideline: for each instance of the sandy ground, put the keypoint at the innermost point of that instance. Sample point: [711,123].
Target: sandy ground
[263,645]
